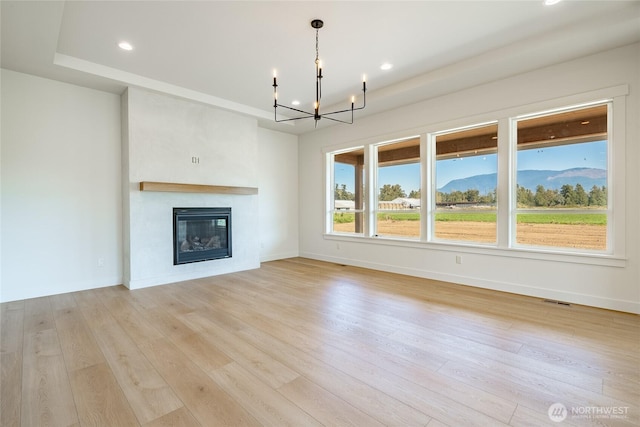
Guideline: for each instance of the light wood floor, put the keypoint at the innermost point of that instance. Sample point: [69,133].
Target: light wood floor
[305,343]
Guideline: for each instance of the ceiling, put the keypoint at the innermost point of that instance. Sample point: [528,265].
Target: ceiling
[223,53]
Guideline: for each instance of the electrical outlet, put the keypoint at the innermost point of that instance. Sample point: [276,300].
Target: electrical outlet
[458,259]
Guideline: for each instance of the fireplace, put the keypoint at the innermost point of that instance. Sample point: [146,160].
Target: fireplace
[201,234]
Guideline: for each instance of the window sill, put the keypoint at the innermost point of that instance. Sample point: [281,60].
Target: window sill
[541,254]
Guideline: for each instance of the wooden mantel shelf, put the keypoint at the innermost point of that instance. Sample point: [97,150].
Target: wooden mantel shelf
[195,188]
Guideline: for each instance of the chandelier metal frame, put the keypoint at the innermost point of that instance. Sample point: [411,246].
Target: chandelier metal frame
[316,115]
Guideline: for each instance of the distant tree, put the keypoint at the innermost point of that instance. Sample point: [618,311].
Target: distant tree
[598,196]
[547,198]
[568,194]
[390,192]
[472,195]
[540,198]
[556,198]
[341,193]
[524,196]
[415,194]
[582,198]
[489,198]
[453,197]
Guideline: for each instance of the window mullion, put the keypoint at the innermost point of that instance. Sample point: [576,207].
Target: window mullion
[616,166]
[426,187]
[329,192]
[506,184]
[371,179]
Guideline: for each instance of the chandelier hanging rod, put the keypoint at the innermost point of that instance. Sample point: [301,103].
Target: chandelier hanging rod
[317,24]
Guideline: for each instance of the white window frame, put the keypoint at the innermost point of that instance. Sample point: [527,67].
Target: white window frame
[514,210]
[615,257]
[431,137]
[373,227]
[330,208]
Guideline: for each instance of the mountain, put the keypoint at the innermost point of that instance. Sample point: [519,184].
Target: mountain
[484,183]
[553,180]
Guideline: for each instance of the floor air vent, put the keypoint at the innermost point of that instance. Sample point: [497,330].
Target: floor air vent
[552,301]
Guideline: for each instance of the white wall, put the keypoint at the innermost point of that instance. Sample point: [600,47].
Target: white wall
[278,178]
[61,227]
[62,201]
[615,286]
[163,134]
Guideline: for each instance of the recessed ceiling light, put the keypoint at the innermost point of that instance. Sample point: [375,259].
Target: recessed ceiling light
[551,2]
[386,66]
[295,102]
[125,46]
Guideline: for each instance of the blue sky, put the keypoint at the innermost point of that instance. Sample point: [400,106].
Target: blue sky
[587,155]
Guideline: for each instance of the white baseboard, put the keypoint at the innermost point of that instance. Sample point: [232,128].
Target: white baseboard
[515,288]
[65,288]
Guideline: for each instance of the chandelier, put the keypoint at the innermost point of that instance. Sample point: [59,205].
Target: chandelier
[317,24]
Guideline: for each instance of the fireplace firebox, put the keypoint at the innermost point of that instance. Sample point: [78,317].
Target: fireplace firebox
[201,234]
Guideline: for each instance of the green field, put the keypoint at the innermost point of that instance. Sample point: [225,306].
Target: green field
[473,216]
[412,216]
[541,218]
[343,218]
[563,218]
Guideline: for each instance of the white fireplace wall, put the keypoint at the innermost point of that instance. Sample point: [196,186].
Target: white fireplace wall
[168,139]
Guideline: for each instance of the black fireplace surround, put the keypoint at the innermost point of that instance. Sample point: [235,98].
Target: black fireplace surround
[201,234]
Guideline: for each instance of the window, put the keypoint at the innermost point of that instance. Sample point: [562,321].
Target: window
[466,179]
[398,183]
[348,191]
[540,182]
[562,189]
